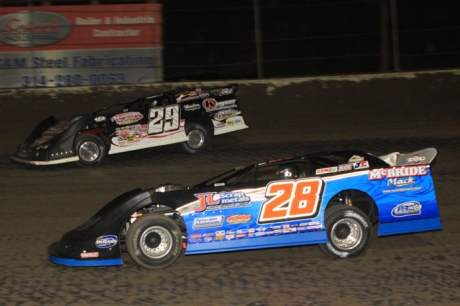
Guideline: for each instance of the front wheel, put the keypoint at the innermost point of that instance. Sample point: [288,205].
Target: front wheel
[349,232]
[197,139]
[90,150]
[154,241]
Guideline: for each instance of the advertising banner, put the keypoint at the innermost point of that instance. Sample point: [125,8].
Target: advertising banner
[52,46]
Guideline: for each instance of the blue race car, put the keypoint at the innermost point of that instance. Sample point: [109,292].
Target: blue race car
[334,199]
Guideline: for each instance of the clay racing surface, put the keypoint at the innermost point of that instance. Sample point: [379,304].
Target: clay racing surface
[378,114]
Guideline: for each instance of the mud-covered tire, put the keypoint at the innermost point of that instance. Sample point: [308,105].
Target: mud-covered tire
[154,241]
[198,139]
[349,231]
[90,150]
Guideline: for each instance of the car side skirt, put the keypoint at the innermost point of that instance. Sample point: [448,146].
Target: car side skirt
[70,262]
[258,243]
[412,226]
[154,143]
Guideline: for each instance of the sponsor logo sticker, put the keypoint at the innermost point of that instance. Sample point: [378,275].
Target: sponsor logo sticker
[89,254]
[207,222]
[411,208]
[107,241]
[127,118]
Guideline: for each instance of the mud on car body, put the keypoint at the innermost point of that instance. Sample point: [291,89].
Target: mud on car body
[181,116]
[337,200]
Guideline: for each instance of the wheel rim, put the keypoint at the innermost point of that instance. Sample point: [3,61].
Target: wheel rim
[89,151]
[195,139]
[156,242]
[346,234]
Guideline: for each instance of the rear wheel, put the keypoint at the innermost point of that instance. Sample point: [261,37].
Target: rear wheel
[349,232]
[154,241]
[197,139]
[90,150]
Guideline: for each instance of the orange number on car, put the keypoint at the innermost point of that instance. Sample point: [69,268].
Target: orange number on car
[291,200]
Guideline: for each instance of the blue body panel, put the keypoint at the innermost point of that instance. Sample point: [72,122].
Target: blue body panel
[230,221]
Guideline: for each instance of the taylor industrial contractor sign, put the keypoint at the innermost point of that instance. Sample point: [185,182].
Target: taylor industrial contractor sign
[80,45]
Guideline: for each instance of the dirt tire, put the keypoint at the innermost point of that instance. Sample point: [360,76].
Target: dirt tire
[90,150]
[349,231]
[198,139]
[154,241]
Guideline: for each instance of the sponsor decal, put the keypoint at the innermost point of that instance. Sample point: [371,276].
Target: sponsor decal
[26,30]
[207,222]
[191,107]
[326,170]
[239,219]
[127,118]
[224,200]
[240,236]
[404,189]
[207,239]
[398,172]
[361,165]
[345,167]
[410,208]
[229,237]
[226,91]
[225,114]
[415,159]
[100,119]
[399,182]
[209,104]
[190,95]
[203,95]
[196,236]
[105,242]
[222,91]
[89,254]
[220,233]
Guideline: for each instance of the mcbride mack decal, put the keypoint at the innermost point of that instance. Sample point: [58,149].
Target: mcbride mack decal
[398,172]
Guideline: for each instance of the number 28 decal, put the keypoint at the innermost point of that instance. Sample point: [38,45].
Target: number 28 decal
[291,200]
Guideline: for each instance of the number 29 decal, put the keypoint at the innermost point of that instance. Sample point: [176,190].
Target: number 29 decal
[164,119]
[291,200]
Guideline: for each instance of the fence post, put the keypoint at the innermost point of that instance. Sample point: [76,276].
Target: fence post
[258,32]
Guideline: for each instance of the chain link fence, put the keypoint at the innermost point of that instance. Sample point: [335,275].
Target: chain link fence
[208,39]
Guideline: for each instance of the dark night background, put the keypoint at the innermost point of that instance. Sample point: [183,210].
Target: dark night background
[212,39]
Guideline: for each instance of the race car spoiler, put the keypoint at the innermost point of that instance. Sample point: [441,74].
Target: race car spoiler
[424,156]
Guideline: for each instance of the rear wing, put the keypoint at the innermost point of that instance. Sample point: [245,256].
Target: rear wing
[424,156]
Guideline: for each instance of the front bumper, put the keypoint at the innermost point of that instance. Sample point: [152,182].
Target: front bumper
[92,258]
[42,156]
[44,163]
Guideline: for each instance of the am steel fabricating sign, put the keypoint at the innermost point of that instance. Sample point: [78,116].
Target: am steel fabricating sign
[80,45]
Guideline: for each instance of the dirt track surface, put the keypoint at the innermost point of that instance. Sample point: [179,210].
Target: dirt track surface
[379,115]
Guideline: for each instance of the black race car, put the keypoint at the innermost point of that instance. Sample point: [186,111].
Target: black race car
[171,117]
[334,199]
